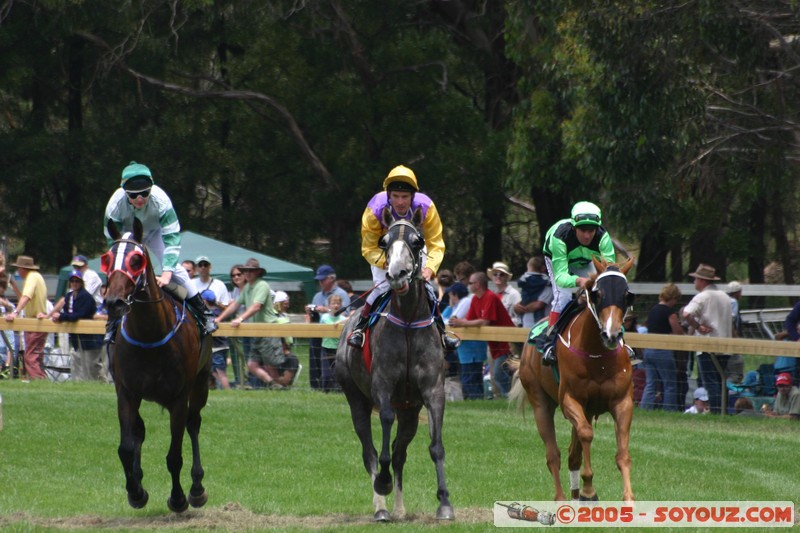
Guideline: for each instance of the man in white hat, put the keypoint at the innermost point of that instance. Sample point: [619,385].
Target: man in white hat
[500,274]
[709,315]
[204,281]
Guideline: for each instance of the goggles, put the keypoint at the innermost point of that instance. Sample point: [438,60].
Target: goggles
[135,194]
[587,217]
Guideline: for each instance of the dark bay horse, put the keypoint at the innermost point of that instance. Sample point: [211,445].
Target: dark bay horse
[405,372]
[595,377]
[157,356]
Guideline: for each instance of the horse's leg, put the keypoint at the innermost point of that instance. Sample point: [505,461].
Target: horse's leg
[383,483]
[574,464]
[197,400]
[544,412]
[177,502]
[407,424]
[435,406]
[361,412]
[622,412]
[131,429]
[582,429]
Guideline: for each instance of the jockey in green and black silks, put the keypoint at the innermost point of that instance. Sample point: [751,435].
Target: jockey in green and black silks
[568,249]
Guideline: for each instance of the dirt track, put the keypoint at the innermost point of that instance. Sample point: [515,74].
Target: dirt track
[231,516]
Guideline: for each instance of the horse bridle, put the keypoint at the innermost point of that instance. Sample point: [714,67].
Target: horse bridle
[593,307]
[411,238]
[116,260]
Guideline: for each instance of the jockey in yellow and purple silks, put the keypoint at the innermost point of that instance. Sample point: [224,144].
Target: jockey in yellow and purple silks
[401,198]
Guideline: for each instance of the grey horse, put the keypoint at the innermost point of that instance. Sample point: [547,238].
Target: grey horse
[405,371]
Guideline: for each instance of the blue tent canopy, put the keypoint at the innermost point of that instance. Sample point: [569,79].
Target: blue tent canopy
[222,255]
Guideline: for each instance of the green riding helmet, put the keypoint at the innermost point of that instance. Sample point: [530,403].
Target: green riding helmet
[586,214]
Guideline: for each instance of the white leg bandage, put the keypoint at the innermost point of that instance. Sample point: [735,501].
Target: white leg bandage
[574,479]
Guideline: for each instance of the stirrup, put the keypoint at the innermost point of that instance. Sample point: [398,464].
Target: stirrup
[633,356]
[356,338]
[210,326]
[450,341]
[548,357]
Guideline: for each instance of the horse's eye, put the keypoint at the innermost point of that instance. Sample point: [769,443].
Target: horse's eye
[416,242]
[383,243]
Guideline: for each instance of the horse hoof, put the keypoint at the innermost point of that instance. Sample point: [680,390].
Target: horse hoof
[177,508]
[445,512]
[585,499]
[198,501]
[141,502]
[382,516]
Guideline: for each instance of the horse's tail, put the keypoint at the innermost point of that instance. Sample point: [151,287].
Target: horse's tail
[517,394]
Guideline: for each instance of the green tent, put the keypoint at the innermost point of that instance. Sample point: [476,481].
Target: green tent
[223,256]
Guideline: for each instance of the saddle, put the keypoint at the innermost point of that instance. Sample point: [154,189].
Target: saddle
[179,294]
[539,332]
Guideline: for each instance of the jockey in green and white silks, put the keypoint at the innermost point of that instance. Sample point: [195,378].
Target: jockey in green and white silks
[139,197]
[568,249]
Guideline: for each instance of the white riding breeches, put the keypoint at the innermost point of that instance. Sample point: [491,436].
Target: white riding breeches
[562,295]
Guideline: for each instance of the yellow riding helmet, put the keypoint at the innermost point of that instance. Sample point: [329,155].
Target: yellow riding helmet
[401,174]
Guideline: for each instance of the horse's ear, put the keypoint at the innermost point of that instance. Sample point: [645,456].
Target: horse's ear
[416,218]
[113,230]
[138,230]
[630,298]
[386,217]
[627,266]
[600,264]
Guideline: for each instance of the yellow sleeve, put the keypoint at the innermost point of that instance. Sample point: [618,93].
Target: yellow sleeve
[371,232]
[434,238]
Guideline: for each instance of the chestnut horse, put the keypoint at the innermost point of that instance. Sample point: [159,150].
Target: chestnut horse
[405,372]
[157,356]
[594,377]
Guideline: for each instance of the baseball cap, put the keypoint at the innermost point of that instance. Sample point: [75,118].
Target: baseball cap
[280,296]
[457,288]
[202,258]
[79,260]
[208,295]
[701,394]
[76,274]
[323,272]
[784,378]
[734,287]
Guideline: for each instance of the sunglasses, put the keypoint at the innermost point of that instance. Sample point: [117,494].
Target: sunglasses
[135,194]
[498,274]
[587,216]
[74,281]
[203,264]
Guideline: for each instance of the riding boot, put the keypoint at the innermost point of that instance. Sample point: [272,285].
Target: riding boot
[356,337]
[201,310]
[111,331]
[548,355]
[449,343]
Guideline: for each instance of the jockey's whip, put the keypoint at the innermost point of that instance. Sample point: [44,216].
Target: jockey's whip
[354,300]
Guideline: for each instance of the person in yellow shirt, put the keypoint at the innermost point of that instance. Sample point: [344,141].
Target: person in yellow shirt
[33,301]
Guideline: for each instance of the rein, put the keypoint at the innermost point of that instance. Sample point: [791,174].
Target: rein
[180,318]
